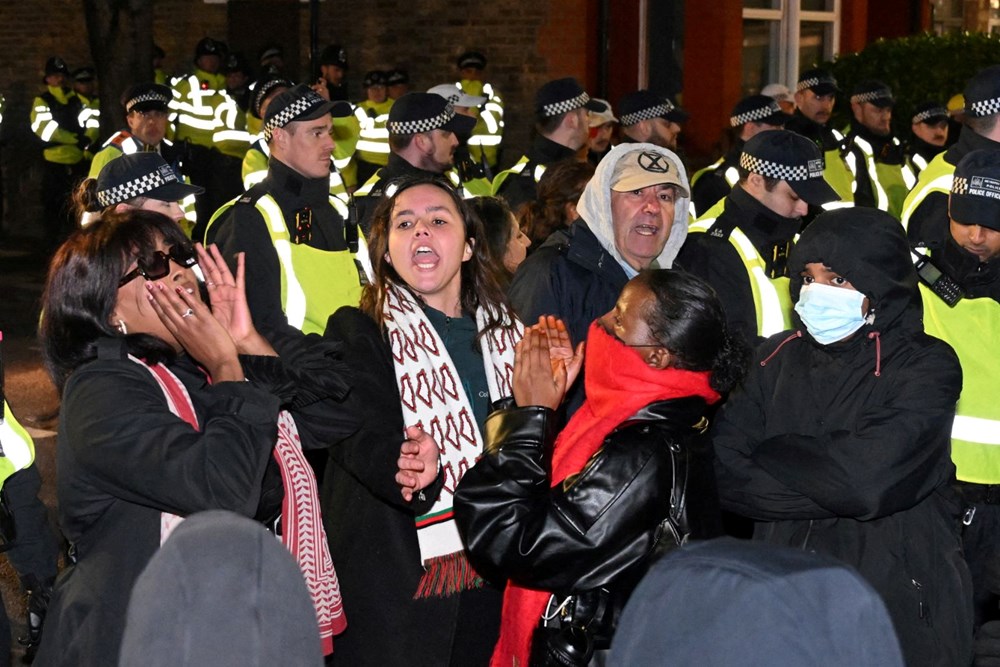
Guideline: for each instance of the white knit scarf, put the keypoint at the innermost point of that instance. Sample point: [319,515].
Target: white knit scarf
[433,398]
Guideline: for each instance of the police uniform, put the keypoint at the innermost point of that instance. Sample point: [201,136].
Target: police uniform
[883,176]
[90,116]
[372,148]
[714,182]
[919,153]
[413,113]
[519,184]
[840,169]
[300,267]
[972,328]
[487,135]
[55,119]
[741,247]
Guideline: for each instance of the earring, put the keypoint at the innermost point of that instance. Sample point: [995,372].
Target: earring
[122,328]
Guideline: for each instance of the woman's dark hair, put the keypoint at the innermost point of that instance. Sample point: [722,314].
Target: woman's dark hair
[495,216]
[480,286]
[688,320]
[561,184]
[82,289]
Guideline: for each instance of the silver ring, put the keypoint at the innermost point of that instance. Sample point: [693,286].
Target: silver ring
[188,313]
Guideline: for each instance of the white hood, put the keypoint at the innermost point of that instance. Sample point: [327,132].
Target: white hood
[595,205]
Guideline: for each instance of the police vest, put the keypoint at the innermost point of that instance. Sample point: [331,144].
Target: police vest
[518,170]
[373,139]
[771,299]
[55,119]
[193,107]
[17,450]
[254,170]
[314,282]
[936,177]
[972,328]
[891,182]
[840,170]
[731,176]
[488,132]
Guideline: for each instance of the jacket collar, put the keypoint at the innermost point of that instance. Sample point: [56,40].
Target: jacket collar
[281,177]
[689,411]
[546,151]
[581,247]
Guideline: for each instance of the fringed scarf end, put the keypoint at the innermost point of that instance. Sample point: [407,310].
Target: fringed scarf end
[447,575]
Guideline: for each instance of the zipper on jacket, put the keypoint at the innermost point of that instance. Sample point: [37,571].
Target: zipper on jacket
[921,604]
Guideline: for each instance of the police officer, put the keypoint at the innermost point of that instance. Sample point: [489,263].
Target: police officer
[200,108]
[55,119]
[815,95]
[484,145]
[966,255]
[397,83]
[85,87]
[650,118]
[372,150]
[925,210]
[300,267]
[563,128]
[930,134]
[883,174]
[472,177]
[741,244]
[751,116]
[332,70]
[424,133]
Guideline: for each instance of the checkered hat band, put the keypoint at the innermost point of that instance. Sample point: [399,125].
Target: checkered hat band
[770,169]
[286,115]
[145,97]
[960,185]
[132,189]
[565,106]
[986,107]
[659,111]
[754,114]
[929,113]
[861,98]
[423,124]
[814,81]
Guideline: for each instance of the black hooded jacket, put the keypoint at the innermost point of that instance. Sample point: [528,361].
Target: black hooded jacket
[844,448]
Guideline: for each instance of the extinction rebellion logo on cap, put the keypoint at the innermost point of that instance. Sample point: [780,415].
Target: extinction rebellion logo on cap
[815,168]
[654,162]
[981,186]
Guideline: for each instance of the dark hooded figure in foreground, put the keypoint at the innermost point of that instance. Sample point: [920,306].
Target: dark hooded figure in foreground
[839,440]
[733,603]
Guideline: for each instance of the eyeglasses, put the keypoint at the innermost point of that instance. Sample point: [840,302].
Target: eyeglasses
[157,265]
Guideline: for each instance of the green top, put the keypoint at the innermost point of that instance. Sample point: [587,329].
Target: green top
[459,337]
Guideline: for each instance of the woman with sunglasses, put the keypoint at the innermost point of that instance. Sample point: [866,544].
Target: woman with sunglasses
[170,405]
[430,349]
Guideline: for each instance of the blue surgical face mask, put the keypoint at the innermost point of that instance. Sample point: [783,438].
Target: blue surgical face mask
[830,313]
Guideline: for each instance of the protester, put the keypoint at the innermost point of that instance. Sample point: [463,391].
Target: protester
[559,191]
[625,466]
[430,349]
[839,441]
[507,244]
[171,405]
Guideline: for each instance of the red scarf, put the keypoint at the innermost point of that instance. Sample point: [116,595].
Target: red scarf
[619,384]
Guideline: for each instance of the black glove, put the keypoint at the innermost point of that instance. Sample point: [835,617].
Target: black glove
[38,595]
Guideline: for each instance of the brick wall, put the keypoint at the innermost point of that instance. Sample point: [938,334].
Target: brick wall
[527,43]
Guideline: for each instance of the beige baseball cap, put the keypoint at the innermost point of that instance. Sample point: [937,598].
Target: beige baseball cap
[642,168]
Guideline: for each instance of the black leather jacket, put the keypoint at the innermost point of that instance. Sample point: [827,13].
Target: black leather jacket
[598,525]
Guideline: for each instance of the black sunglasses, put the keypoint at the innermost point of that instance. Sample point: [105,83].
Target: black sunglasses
[157,265]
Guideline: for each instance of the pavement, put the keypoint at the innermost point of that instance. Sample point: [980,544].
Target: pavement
[27,388]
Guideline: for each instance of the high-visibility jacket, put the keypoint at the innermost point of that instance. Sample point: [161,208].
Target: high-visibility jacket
[972,328]
[198,107]
[840,170]
[488,132]
[373,138]
[517,170]
[17,450]
[346,134]
[90,117]
[936,177]
[889,182]
[55,118]
[771,299]
[730,175]
[314,282]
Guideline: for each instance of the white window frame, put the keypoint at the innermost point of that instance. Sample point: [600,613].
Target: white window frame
[789,15]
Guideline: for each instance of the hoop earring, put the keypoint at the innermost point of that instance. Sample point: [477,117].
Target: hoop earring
[122,328]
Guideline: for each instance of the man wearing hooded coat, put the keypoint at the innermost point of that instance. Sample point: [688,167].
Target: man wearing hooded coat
[843,448]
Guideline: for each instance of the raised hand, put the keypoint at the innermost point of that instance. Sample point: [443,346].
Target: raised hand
[537,381]
[193,326]
[561,348]
[228,297]
[417,466]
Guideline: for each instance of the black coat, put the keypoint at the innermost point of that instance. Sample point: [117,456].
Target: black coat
[572,277]
[597,528]
[844,448]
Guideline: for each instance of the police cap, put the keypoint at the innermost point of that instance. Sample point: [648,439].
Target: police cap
[975,190]
[414,113]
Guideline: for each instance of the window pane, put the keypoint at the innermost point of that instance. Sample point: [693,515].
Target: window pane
[817,5]
[762,4]
[760,54]
[814,38]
